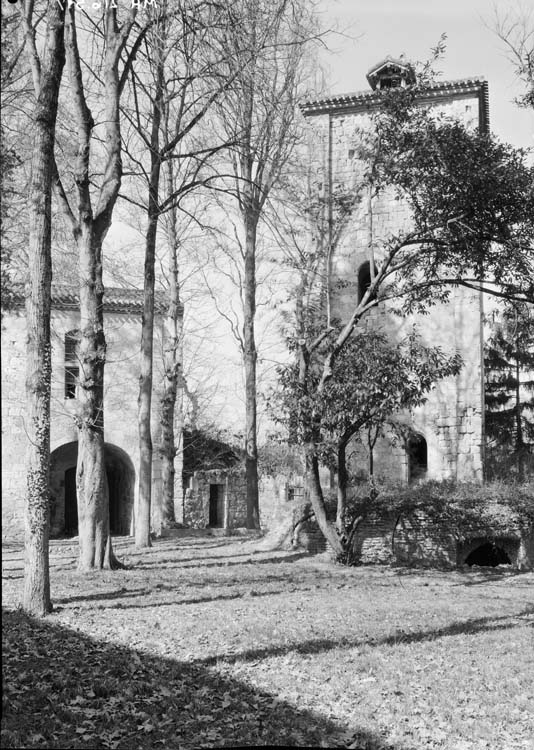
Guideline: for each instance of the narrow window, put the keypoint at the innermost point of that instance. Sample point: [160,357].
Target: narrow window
[364,281]
[417,458]
[72,367]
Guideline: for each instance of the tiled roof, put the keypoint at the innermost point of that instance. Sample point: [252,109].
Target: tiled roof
[116,299]
[364,99]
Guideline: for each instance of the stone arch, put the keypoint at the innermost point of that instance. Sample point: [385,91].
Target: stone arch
[121,482]
[489,552]
[417,450]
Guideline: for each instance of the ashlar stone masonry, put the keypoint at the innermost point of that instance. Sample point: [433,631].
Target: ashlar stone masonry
[122,323]
[448,428]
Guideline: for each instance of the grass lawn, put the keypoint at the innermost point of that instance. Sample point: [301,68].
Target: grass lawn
[214,642]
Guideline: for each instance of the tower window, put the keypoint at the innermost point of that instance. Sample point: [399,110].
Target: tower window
[364,281]
[417,458]
[72,365]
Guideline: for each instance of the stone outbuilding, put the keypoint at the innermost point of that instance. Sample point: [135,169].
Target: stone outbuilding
[122,325]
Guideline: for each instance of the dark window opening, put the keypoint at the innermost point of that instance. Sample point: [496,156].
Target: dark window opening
[489,555]
[72,373]
[389,82]
[364,281]
[417,458]
[216,512]
[72,369]
[294,493]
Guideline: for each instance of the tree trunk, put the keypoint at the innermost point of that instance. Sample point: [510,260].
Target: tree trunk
[142,520]
[342,479]
[91,481]
[315,492]
[519,442]
[171,369]
[36,597]
[249,360]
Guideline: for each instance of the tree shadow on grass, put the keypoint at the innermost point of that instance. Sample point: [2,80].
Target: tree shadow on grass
[399,638]
[229,562]
[480,576]
[197,600]
[175,543]
[63,689]
[231,556]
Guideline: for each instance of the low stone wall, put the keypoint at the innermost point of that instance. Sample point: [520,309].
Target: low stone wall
[415,539]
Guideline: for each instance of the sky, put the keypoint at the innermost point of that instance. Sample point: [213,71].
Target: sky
[372,29]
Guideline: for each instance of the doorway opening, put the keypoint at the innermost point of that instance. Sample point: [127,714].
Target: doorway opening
[216,512]
[120,475]
[489,555]
[417,458]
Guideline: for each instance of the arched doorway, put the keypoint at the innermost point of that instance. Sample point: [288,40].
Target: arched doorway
[120,474]
[489,555]
[417,458]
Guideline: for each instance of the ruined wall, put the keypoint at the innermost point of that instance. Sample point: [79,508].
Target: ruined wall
[451,421]
[415,539]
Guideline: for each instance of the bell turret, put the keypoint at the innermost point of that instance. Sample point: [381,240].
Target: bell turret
[390,73]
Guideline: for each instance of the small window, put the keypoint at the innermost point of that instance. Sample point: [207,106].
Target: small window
[294,493]
[72,367]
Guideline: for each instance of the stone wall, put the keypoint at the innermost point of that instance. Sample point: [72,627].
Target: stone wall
[233,510]
[451,421]
[416,539]
[120,402]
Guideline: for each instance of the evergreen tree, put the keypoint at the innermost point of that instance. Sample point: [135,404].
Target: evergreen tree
[509,396]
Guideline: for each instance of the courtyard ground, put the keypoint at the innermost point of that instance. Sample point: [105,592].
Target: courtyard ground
[208,641]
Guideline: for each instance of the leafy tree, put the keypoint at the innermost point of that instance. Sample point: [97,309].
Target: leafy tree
[509,394]
[469,222]
[373,381]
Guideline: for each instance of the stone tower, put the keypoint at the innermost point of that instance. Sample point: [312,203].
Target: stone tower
[446,438]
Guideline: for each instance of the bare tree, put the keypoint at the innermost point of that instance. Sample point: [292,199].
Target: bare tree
[89,218]
[260,113]
[450,241]
[516,30]
[38,349]
[183,59]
